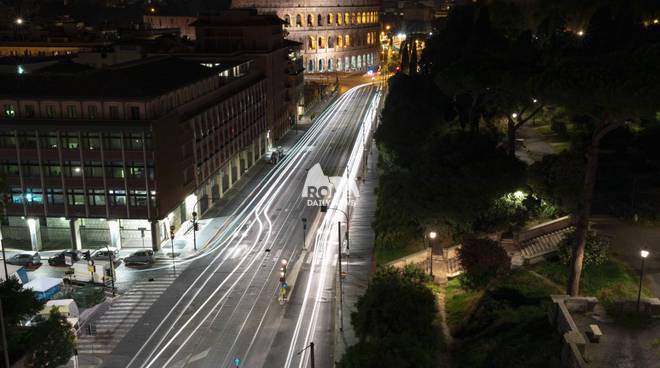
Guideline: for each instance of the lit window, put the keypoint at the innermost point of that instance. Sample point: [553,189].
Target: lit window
[10,111]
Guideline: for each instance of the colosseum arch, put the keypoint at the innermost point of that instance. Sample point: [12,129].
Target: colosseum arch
[319,20]
[340,41]
[321,65]
[311,43]
[321,42]
[331,42]
[339,19]
[310,20]
[347,18]
[347,41]
[287,20]
[299,20]
[330,19]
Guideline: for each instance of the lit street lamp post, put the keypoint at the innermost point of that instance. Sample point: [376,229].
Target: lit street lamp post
[195,227]
[172,242]
[341,283]
[644,253]
[429,238]
[348,226]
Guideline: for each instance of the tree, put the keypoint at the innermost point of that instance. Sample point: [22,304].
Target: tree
[482,260]
[413,58]
[18,305]
[558,179]
[395,323]
[460,177]
[52,342]
[606,86]
[405,56]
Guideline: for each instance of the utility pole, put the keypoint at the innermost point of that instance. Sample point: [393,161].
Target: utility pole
[341,283]
[112,269]
[172,241]
[304,221]
[5,349]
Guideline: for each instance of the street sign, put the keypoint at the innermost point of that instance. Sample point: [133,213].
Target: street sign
[237,361]
[68,260]
[91,268]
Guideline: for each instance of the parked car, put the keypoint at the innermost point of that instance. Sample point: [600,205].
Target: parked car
[60,258]
[141,257]
[25,259]
[104,255]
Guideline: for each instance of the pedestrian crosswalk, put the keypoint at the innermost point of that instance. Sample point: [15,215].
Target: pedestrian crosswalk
[102,335]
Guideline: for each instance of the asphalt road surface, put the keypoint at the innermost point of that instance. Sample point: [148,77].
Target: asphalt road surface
[224,304]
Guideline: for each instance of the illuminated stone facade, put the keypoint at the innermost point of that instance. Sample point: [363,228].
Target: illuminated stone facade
[337,36]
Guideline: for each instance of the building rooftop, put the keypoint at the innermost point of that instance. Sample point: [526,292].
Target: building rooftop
[143,78]
[237,18]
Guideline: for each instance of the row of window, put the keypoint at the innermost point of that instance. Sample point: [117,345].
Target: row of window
[91,169]
[347,63]
[77,197]
[330,19]
[69,112]
[91,141]
[314,42]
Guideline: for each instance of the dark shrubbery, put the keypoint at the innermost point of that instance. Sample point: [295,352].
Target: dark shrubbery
[482,260]
[595,252]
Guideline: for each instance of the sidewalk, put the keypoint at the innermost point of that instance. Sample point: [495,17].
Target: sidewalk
[361,254]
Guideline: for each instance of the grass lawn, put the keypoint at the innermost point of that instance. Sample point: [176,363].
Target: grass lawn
[505,325]
[385,255]
[610,282]
[459,303]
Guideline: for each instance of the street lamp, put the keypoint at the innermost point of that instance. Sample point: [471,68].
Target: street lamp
[514,115]
[195,227]
[172,241]
[643,253]
[431,236]
[19,21]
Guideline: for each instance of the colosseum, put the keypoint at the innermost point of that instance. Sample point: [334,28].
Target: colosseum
[338,35]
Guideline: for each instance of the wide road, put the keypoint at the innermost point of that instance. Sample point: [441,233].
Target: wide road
[224,305]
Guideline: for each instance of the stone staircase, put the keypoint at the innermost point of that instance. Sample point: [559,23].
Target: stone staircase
[533,250]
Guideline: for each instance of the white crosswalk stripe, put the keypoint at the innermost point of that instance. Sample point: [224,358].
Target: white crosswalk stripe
[117,321]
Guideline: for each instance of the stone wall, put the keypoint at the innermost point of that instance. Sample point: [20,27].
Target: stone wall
[559,315]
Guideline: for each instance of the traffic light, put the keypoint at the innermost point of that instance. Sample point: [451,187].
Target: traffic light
[196,226]
[172,232]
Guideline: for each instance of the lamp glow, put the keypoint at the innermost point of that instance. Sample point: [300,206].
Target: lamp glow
[644,253]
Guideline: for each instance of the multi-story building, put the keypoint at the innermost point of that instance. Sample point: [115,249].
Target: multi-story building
[337,36]
[117,155]
[242,33]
